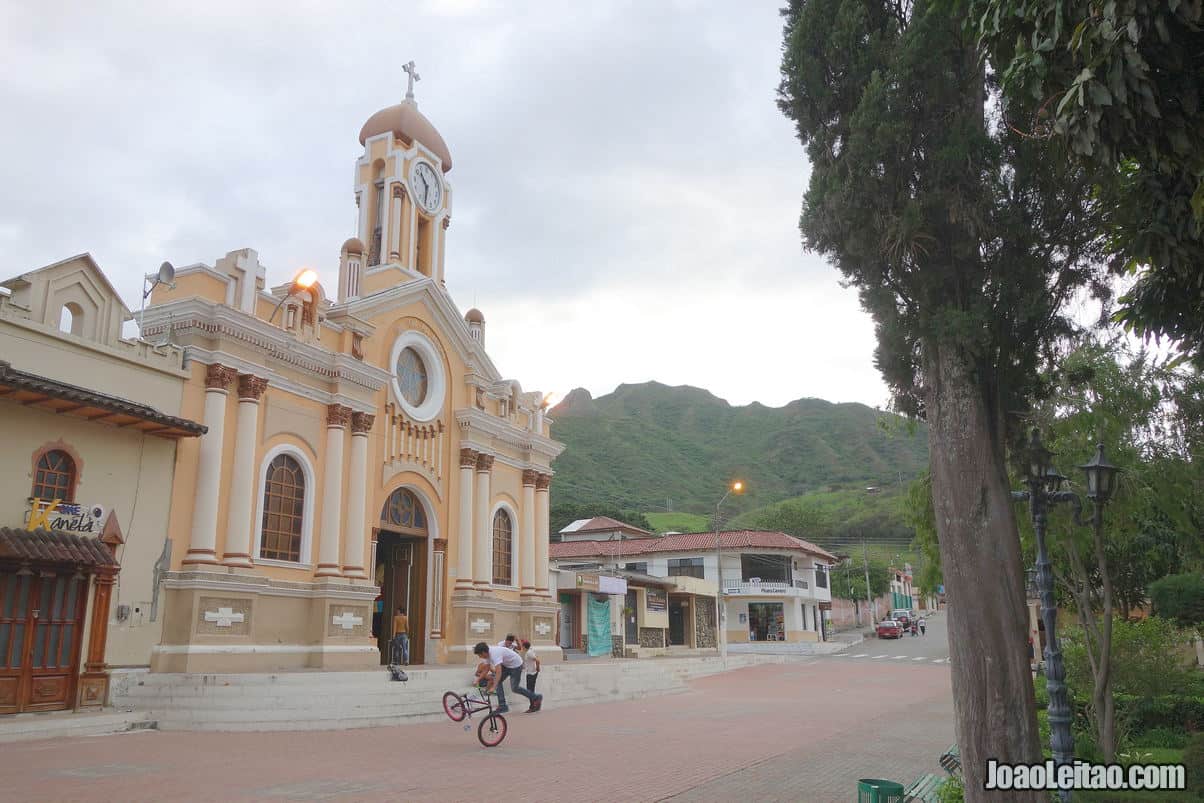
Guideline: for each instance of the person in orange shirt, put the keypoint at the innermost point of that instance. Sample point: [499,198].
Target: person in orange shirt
[401,637]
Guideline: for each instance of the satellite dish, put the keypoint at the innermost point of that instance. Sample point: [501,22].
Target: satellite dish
[167,274]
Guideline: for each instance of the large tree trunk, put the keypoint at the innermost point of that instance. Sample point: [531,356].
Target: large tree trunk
[984,579]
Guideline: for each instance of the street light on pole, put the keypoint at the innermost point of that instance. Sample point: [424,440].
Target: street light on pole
[302,282]
[1044,490]
[736,487]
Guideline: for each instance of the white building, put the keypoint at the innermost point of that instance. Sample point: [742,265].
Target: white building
[775,587]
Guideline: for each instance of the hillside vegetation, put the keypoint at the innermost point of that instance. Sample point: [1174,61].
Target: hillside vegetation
[658,448]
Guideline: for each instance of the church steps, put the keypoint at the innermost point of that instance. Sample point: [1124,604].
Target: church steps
[337,700]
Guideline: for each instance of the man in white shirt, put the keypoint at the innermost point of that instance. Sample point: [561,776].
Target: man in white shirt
[510,642]
[506,663]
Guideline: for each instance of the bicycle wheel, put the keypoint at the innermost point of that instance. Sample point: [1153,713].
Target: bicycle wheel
[492,730]
[454,707]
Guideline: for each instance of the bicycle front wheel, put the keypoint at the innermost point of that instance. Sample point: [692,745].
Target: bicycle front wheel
[492,730]
[454,707]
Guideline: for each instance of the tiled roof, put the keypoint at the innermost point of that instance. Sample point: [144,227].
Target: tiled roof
[72,400]
[53,546]
[600,524]
[687,542]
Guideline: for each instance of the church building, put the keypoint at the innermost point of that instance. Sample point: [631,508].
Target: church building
[362,452]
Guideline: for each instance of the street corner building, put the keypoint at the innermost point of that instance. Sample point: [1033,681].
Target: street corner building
[353,449]
[87,487]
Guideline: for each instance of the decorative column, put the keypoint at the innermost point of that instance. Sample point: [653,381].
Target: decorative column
[438,572]
[542,483]
[242,477]
[526,549]
[203,545]
[94,682]
[355,538]
[399,197]
[468,462]
[482,557]
[337,418]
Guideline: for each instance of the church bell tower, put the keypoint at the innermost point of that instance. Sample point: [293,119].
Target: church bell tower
[403,199]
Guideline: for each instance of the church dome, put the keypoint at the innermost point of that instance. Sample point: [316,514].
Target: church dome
[474,316]
[409,125]
[353,246]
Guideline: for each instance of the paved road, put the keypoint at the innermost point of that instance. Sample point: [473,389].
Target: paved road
[932,647]
[800,731]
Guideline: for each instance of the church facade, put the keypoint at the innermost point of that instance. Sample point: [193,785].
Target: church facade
[362,452]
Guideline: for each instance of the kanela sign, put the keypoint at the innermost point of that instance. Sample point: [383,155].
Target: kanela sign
[65,516]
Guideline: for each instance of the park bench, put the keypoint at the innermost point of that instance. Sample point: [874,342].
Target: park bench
[927,788]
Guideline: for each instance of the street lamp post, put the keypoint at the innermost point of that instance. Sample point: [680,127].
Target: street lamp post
[736,487]
[304,280]
[1045,489]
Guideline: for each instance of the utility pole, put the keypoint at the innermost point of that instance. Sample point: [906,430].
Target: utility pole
[869,601]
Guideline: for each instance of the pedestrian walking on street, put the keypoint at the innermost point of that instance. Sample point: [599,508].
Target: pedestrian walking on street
[915,629]
[923,627]
[530,665]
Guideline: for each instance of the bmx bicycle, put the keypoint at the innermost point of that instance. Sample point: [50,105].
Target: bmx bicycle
[459,707]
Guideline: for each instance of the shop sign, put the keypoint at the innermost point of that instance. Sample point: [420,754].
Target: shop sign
[657,600]
[587,582]
[68,517]
[611,585]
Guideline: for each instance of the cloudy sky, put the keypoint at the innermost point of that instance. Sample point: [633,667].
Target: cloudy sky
[627,192]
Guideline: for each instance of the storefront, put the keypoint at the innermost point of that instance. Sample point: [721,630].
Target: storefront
[766,621]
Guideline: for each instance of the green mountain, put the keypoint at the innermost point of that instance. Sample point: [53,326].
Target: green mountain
[653,447]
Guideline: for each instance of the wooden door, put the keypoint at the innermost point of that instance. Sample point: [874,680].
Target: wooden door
[41,630]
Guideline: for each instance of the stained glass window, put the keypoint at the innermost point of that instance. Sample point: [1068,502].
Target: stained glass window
[412,376]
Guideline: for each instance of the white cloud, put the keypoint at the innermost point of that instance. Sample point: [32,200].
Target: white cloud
[626,191]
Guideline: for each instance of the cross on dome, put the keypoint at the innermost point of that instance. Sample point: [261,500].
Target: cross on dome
[412,73]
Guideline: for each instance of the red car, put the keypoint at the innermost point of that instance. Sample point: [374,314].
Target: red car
[889,628]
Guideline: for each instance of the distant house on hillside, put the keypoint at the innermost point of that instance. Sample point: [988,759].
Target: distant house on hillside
[775,586]
[602,528]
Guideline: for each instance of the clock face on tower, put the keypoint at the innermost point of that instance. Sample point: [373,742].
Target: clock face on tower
[427,188]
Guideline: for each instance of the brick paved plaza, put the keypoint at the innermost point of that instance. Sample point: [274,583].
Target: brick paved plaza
[799,731]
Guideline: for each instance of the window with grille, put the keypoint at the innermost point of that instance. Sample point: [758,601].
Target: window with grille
[685,567]
[54,477]
[403,512]
[503,541]
[283,510]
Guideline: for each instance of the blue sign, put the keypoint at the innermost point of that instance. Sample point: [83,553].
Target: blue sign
[940,589]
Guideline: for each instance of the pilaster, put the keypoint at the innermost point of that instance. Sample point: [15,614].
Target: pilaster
[355,539]
[468,463]
[482,558]
[337,419]
[203,544]
[239,527]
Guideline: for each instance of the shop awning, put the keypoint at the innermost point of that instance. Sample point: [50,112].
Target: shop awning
[54,396]
[53,546]
[638,579]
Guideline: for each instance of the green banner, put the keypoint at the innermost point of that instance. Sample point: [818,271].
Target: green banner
[599,625]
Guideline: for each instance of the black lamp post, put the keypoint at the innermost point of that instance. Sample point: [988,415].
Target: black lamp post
[1045,489]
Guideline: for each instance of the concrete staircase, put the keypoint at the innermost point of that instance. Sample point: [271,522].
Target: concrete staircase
[337,700]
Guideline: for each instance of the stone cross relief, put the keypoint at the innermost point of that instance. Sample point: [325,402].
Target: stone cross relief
[224,617]
[412,73]
[543,628]
[480,625]
[347,621]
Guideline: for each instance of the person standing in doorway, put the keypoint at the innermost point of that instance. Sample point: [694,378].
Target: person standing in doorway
[505,664]
[530,666]
[401,637]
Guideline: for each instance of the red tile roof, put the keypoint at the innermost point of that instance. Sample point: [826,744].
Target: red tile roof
[53,546]
[606,524]
[687,542]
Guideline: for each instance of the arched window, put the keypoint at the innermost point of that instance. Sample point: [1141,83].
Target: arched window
[403,512]
[71,319]
[283,509]
[503,543]
[54,477]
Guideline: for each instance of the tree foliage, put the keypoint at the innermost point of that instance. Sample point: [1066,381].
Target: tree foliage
[964,240]
[922,519]
[1120,83]
[1180,597]
[848,580]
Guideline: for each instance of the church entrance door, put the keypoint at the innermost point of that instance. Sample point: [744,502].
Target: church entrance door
[400,570]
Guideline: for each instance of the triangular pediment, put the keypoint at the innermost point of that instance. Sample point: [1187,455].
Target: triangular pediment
[444,315]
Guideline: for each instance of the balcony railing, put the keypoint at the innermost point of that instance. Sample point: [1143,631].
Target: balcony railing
[755,587]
